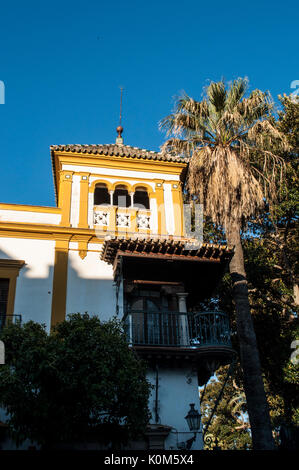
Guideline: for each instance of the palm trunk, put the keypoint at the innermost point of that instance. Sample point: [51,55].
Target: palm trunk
[257,405]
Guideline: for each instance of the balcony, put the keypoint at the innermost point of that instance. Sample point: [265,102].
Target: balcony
[7,319]
[177,329]
[128,219]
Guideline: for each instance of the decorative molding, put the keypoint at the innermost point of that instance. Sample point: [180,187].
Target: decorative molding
[143,221]
[82,253]
[123,220]
[101,218]
[11,264]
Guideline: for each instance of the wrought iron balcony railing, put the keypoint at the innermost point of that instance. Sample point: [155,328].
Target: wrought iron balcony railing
[6,319]
[192,330]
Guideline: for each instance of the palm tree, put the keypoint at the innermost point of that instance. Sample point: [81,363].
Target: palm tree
[232,171]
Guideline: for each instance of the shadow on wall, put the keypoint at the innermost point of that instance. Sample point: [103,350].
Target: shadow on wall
[32,297]
[34,294]
[91,291]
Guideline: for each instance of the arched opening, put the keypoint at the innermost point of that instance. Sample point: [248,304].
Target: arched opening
[121,197]
[141,198]
[101,195]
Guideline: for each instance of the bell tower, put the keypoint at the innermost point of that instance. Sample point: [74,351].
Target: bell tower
[117,189]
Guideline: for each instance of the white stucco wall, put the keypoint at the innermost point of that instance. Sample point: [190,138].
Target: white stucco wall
[75,201]
[90,209]
[29,216]
[120,174]
[178,387]
[90,285]
[34,284]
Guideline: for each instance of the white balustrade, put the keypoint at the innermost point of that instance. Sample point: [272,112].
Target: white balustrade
[123,217]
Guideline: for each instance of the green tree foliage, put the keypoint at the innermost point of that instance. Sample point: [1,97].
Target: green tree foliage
[271,248]
[229,427]
[80,383]
[277,326]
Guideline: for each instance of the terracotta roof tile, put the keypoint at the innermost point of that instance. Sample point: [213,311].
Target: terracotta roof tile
[166,247]
[118,151]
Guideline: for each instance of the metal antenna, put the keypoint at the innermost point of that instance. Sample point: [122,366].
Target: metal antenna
[121,103]
[119,130]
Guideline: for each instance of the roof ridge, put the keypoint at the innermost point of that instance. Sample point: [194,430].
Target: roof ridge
[106,145]
[120,150]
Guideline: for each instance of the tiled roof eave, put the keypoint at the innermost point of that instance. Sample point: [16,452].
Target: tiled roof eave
[54,175]
[116,150]
[164,249]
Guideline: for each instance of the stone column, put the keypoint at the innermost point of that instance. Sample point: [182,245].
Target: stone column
[111,197]
[183,321]
[132,199]
[182,301]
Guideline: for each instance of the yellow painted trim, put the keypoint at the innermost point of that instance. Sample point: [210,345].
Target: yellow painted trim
[66,156]
[145,185]
[25,207]
[123,183]
[59,158]
[83,209]
[42,231]
[159,193]
[59,290]
[133,221]
[125,163]
[89,251]
[114,178]
[83,250]
[64,197]
[111,185]
[112,218]
[9,269]
[177,202]
[83,241]
[95,235]
[99,181]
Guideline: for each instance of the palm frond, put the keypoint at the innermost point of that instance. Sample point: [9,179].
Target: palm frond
[216,93]
[236,93]
[233,148]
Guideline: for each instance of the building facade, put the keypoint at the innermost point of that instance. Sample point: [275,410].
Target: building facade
[116,245]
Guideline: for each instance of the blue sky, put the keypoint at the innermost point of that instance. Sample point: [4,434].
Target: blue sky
[63,62]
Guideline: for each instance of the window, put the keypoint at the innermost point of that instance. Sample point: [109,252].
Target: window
[9,271]
[152,321]
[101,195]
[4,285]
[121,197]
[141,198]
